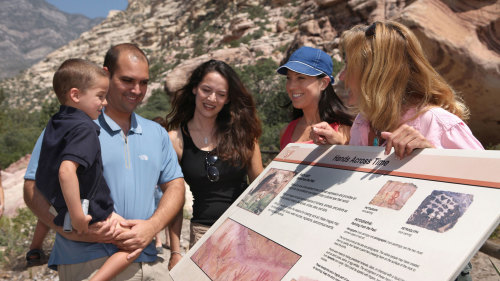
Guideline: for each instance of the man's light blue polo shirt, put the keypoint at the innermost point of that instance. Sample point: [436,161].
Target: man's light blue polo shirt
[133,165]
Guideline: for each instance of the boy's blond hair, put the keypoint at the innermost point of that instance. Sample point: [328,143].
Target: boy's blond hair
[75,73]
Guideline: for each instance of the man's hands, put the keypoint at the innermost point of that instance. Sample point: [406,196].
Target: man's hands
[99,232]
[135,239]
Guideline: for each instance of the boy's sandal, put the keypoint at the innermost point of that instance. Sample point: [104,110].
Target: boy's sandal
[159,249]
[35,257]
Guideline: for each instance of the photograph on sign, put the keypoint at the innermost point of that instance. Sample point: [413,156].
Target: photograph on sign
[394,194]
[235,252]
[441,210]
[266,190]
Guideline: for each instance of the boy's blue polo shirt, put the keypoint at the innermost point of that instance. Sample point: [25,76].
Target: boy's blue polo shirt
[133,166]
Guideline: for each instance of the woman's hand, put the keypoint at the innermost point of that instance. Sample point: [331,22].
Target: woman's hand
[404,140]
[323,133]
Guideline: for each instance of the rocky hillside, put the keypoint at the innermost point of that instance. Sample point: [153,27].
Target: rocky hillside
[461,38]
[31,29]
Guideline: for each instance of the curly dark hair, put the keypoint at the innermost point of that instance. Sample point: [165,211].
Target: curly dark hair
[237,124]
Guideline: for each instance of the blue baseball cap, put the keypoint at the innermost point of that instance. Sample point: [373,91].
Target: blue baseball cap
[309,61]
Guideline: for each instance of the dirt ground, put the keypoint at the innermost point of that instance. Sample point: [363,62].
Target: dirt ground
[482,270]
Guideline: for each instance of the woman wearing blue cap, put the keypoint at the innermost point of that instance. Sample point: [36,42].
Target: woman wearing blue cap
[309,86]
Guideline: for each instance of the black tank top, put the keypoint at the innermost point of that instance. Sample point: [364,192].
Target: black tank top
[211,199]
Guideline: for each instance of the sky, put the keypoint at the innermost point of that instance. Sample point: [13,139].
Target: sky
[89,8]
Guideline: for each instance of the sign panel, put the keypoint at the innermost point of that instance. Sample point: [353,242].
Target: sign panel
[353,213]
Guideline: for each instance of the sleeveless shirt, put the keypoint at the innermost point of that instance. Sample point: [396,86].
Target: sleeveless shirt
[211,199]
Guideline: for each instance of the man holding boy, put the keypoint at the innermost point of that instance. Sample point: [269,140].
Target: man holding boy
[137,155]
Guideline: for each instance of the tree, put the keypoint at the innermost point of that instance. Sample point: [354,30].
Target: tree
[268,89]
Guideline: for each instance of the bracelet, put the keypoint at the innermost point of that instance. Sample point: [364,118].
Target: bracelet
[175,252]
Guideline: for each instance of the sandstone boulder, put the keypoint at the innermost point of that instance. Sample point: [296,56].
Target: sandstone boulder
[12,183]
[461,40]
[176,78]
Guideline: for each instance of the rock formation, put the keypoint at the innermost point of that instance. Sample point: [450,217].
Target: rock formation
[460,37]
[12,183]
[462,41]
[29,30]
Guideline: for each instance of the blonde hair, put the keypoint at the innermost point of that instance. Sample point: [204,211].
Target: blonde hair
[395,75]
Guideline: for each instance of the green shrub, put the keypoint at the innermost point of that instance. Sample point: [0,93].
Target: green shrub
[181,56]
[156,70]
[199,44]
[337,66]
[257,34]
[269,94]
[157,105]
[235,43]
[283,48]
[3,95]
[256,12]
[247,38]
[15,237]
[49,108]
[20,129]
[293,23]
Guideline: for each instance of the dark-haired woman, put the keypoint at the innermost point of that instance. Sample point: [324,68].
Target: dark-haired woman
[214,129]
[309,86]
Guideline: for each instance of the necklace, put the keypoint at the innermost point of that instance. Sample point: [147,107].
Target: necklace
[203,135]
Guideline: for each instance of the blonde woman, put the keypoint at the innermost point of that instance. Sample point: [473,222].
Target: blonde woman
[403,102]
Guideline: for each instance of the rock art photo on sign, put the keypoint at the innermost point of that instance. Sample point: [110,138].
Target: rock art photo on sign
[441,210]
[268,188]
[235,252]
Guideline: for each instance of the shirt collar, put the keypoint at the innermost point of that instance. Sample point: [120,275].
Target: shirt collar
[407,118]
[70,112]
[110,125]
[361,120]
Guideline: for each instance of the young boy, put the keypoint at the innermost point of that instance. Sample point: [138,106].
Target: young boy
[70,165]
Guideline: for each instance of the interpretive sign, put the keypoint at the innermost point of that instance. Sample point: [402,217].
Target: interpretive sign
[353,213]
